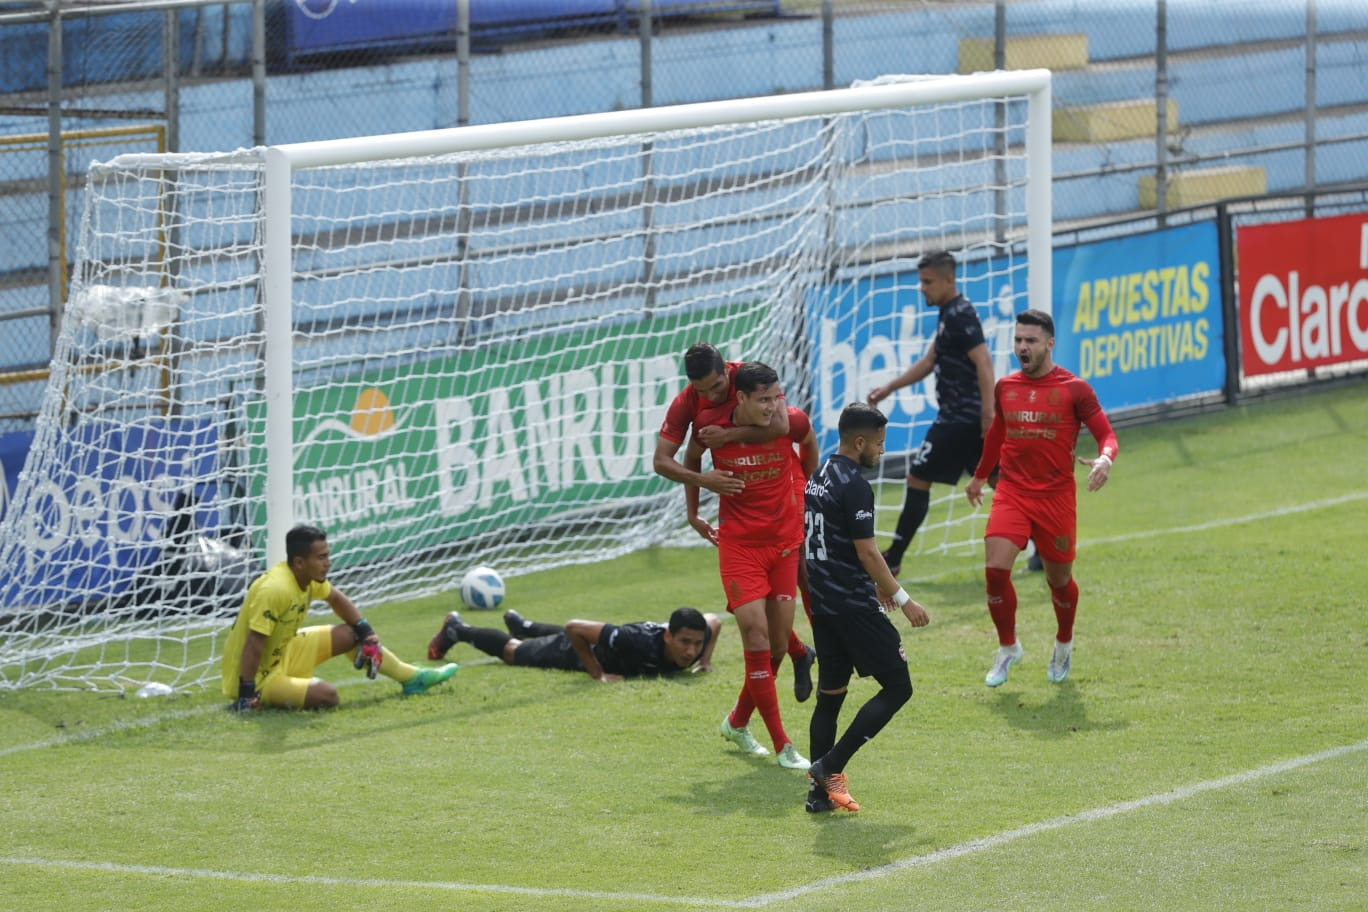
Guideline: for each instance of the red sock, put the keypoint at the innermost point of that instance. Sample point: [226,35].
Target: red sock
[1002,603]
[760,686]
[1065,599]
[741,712]
[796,649]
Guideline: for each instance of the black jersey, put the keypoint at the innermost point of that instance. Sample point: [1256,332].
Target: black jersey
[957,390]
[839,510]
[637,650]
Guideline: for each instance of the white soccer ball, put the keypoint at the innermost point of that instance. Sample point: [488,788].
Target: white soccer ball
[482,588]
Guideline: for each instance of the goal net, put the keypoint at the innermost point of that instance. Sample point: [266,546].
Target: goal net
[456,347]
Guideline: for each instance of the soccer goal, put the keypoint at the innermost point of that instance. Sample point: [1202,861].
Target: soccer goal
[455,347]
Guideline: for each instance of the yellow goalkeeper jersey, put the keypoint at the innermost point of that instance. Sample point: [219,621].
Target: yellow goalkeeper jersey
[275,607]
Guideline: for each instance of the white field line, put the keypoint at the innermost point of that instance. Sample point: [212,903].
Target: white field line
[1132,536]
[973,847]
[148,721]
[987,843]
[952,852]
[1173,530]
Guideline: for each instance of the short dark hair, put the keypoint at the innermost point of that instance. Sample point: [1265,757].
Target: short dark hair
[1039,318]
[860,418]
[752,375]
[687,619]
[703,359]
[942,261]
[299,541]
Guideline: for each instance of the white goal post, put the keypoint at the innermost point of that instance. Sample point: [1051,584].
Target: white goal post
[456,347]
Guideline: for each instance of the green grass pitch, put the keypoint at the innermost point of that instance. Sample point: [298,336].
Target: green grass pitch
[1210,750]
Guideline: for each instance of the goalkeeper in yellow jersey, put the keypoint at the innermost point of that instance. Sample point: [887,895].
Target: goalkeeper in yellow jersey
[270,658]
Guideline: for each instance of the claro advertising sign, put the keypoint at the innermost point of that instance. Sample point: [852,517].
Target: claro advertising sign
[1303,294]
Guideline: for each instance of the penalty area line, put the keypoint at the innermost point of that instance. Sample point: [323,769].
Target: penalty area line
[351,882]
[987,843]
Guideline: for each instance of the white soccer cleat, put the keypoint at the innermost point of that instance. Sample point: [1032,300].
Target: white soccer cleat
[743,739]
[790,759]
[1006,657]
[1059,662]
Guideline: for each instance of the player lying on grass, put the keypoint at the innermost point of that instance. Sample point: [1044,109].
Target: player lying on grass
[270,659]
[607,652]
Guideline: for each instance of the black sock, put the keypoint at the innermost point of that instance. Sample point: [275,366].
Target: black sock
[870,720]
[915,507]
[486,639]
[822,727]
[532,629]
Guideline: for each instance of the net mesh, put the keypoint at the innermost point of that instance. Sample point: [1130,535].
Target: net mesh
[484,345]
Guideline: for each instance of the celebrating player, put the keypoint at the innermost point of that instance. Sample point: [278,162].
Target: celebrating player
[964,390]
[269,659]
[607,652]
[1039,412]
[711,386]
[760,531]
[847,575]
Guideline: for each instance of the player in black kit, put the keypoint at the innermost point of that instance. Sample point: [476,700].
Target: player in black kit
[607,652]
[964,394]
[852,588]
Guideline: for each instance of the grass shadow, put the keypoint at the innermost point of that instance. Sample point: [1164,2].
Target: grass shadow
[1063,715]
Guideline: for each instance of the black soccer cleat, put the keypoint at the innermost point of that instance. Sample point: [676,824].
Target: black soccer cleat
[516,623]
[447,637]
[802,674]
[817,800]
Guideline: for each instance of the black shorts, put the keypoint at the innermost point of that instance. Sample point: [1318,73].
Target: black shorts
[947,452]
[863,641]
[553,651]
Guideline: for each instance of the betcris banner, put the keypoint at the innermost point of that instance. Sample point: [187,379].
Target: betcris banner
[14,450]
[865,332]
[95,517]
[1139,317]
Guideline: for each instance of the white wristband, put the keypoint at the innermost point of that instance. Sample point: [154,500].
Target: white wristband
[1102,457]
[901,597]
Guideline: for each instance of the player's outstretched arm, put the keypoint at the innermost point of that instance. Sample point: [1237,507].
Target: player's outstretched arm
[920,370]
[714,631]
[583,635]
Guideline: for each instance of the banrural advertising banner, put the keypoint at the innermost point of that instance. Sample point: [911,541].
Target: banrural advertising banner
[1303,293]
[1140,317]
[95,514]
[439,451]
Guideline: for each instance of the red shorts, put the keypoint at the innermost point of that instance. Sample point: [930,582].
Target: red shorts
[1049,520]
[754,572]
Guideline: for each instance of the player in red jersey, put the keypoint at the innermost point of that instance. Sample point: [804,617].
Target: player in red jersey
[711,386]
[759,537]
[1038,414]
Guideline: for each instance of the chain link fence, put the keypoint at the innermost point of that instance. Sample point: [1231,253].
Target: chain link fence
[1160,104]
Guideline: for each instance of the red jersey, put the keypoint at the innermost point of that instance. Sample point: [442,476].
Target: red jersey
[1035,431]
[686,406]
[770,510]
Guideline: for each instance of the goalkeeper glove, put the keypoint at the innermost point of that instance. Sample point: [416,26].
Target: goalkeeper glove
[247,697]
[368,652]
